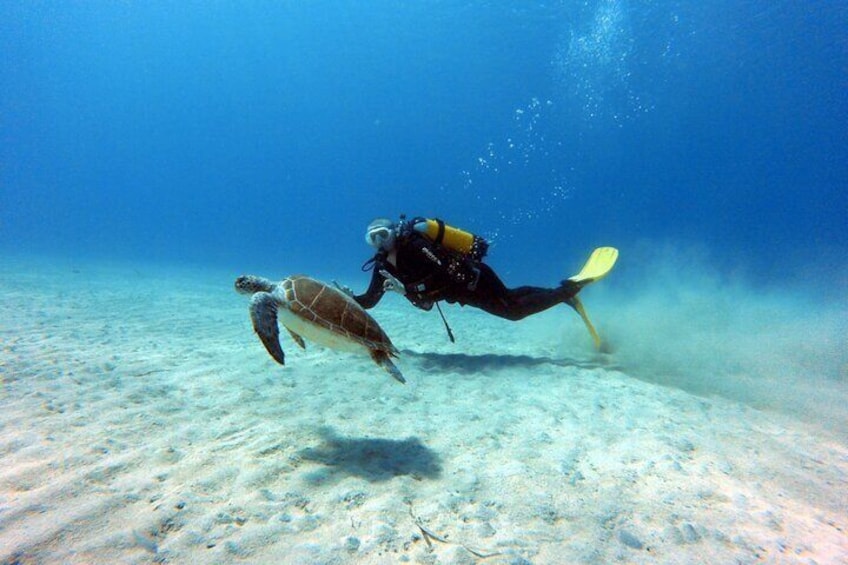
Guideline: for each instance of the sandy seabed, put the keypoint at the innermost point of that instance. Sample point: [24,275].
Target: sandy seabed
[141,421]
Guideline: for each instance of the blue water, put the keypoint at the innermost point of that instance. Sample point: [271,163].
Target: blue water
[150,151]
[267,135]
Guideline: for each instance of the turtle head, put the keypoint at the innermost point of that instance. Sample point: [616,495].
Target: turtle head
[251,284]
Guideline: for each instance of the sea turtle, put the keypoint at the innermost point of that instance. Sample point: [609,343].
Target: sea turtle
[311,309]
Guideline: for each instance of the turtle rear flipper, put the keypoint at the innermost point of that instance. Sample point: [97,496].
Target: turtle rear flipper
[297,339]
[263,313]
[382,359]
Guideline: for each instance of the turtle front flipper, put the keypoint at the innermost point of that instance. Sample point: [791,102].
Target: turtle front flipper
[263,313]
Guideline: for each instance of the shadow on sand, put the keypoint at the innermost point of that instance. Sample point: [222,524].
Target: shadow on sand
[468,363]
[373,459]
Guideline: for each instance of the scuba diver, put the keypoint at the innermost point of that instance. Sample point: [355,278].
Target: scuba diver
[427,261]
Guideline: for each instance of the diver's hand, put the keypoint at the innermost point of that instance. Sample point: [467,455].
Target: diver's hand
[344,288]
[392,283]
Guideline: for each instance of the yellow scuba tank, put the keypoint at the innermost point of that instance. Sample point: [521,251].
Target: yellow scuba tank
[454,239]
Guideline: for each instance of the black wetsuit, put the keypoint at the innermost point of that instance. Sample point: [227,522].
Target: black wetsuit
[431,273]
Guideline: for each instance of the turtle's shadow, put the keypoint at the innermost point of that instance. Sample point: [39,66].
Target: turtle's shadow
[373,459]
[470,363]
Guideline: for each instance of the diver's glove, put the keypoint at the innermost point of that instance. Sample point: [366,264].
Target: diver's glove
[392,283]
[344,288]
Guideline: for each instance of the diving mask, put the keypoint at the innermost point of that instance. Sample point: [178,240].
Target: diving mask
[380,234]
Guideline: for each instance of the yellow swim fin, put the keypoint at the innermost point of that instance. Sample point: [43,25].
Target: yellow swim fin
[599,264]
[575,303]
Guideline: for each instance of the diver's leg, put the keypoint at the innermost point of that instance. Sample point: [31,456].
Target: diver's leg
[533,300]
[492,296]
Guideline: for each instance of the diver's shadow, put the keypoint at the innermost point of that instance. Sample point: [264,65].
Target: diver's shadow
[468,363]
[373,459]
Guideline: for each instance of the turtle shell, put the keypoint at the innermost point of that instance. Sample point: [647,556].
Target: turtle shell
[329,308]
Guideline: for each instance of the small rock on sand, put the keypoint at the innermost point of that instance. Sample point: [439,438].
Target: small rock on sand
[630,540]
